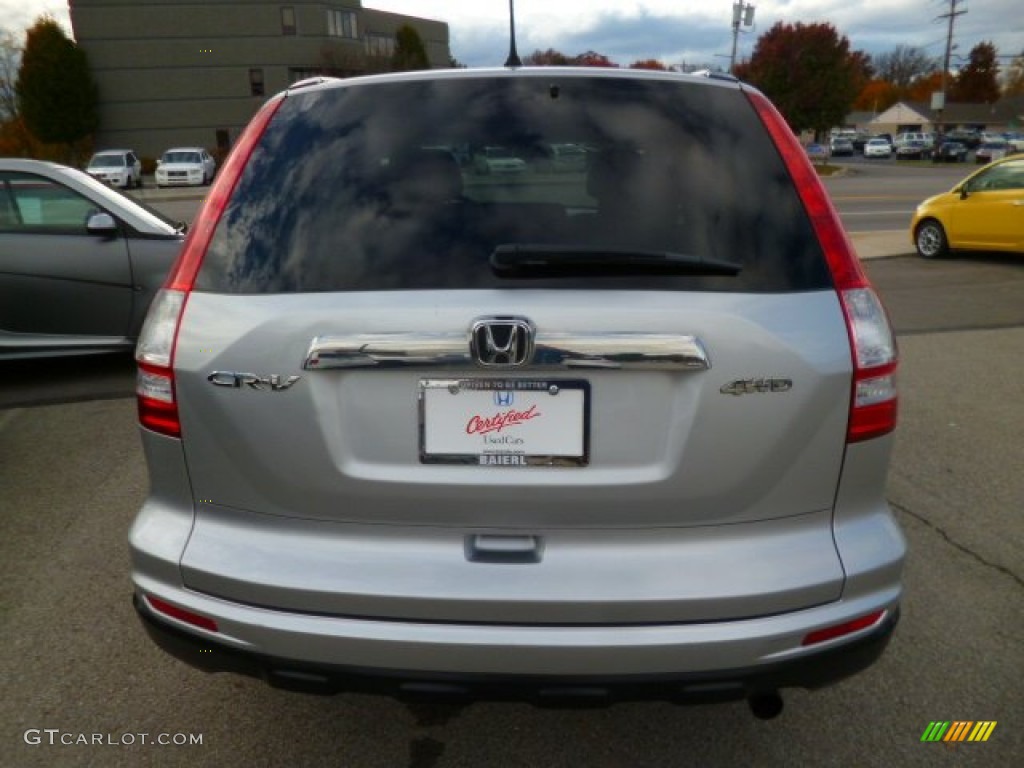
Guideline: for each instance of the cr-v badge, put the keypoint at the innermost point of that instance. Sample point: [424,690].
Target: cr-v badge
[235,380]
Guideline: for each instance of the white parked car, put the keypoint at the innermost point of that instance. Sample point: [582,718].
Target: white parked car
[877,148]
[1015,140]
[498,160]
[185,166]
[117,167]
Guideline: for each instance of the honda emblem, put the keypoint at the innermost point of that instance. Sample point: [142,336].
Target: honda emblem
[501,342]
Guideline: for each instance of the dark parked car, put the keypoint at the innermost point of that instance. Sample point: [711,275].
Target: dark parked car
[79,261]
[913,150]
[840,147]
[950,152]
[970,139]
[620,433]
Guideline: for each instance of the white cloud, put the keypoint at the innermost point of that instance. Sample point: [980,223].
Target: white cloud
[671,30]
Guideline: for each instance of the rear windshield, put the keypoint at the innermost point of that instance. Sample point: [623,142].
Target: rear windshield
[413,185]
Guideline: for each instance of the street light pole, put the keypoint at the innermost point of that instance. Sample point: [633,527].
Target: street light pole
[742,12]
[513,57]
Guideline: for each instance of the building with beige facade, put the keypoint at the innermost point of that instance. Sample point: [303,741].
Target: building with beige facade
[192,73]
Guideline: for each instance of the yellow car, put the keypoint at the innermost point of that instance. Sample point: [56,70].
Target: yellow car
[984,212]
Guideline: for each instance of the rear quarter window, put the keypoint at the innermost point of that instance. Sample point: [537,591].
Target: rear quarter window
[411,185]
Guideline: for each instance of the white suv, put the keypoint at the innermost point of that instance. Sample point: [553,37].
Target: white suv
[185,166]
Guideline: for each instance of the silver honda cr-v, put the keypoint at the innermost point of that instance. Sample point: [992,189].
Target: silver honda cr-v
[617,431]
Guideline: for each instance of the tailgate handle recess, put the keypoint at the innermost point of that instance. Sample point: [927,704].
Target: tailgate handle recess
[491,548]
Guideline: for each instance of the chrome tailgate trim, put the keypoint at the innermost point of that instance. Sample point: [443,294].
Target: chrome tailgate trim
[604,351]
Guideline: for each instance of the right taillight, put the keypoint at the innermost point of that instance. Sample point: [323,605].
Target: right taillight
[873,401]
[154,384]
[873,404]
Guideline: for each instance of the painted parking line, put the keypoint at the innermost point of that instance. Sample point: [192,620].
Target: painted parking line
[875,213]
[856,198]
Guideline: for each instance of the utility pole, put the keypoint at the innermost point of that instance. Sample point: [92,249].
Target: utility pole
[741,12]
[939,99]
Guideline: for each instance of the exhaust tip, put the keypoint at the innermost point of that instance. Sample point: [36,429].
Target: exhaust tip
[766,706]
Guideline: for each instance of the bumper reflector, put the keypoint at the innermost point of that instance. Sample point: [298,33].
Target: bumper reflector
[846,628]
[181,614]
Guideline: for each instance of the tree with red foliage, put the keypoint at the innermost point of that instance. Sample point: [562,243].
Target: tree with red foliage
[649,64]
[923,88]
[593,59]
[809,72]
[876,96]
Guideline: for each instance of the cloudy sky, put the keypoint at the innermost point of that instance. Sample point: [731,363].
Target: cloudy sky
[693,32]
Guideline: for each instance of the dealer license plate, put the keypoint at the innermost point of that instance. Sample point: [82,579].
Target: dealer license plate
[505,422]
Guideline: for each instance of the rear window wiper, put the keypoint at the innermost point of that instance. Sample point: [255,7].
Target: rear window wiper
[543,260]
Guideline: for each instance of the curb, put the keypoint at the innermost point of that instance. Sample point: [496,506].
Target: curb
[881,244]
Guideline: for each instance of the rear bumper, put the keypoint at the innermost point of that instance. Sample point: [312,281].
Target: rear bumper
[411,674]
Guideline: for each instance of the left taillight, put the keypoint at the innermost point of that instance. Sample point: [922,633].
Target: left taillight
[154,353]
[154,383]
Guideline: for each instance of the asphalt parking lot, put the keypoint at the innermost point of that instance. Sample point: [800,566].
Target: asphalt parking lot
[77,661]
[78,666]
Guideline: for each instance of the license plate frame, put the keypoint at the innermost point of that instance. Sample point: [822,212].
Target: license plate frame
[504,423]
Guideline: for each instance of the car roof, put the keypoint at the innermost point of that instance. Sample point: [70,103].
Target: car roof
[718,79]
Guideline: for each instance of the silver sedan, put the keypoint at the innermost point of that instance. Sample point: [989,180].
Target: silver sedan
[79,261]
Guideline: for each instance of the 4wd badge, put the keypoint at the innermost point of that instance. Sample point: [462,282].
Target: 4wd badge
[756,386]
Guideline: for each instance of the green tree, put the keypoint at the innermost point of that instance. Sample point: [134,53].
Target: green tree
[410,52]
[809,72]
[978,81]
[57,96]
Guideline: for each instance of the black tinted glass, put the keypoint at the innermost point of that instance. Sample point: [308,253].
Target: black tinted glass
[413,185]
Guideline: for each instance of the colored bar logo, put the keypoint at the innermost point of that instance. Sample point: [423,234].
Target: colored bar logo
[958,730]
